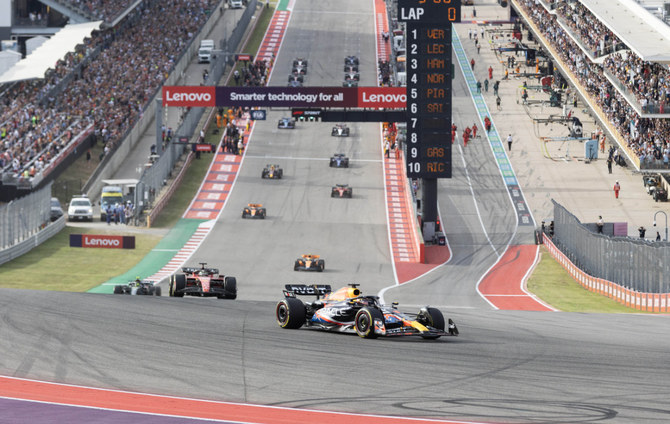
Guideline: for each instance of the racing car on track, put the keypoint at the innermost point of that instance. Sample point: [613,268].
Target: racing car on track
[138,287]
[340,130]
[350,68]
[272,172]
[347,309]
[296,77]
[300,61]
[352,76]
[309,263]
[338,160]
[299,69]
[350,83]
[286,123]
[204,282]
[254,210]
[351,61]
[342,190]
[294,84]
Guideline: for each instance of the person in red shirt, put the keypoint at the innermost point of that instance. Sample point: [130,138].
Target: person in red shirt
[490,72]
[474,130]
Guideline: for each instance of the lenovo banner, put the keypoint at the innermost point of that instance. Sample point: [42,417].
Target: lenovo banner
[187,96]
[102,241]
[334,97]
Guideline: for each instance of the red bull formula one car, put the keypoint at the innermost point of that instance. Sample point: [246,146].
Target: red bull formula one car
[342,190]
[204,282]
[254,210]
[272,172]
[347,309]
[309,263]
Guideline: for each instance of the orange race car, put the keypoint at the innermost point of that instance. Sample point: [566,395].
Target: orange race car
[309,263]
[254,210]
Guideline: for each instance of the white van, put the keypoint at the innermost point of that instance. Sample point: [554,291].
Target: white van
[235,4]
[205,51]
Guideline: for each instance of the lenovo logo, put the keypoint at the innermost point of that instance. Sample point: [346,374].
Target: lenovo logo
[184,96]
[102,241]
[387,97]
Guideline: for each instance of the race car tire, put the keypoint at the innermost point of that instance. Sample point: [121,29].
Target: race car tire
[364,323]
[230,287]
[118,290]
[296,266]
[432,317]
[290,313]
[321,266]
[264,174]
[262,215]
[177,283]
[332,194]
[158,291]
[280,174]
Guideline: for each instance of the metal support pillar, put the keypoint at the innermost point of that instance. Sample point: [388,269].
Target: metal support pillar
[159,125]
[429,208]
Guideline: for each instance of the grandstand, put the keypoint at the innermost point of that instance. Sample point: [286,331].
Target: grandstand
[618,54]
[98,89]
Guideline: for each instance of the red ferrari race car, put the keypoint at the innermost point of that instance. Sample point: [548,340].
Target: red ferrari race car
[348,310]
[342,190]
[309,263]
[204,282]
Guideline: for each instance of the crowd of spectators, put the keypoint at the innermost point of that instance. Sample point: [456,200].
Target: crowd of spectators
[106,10]
[647,138]
[588,28]
[254,74]
[109,91]
[648,82]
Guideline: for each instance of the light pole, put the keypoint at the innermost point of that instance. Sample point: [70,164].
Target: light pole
[666,222]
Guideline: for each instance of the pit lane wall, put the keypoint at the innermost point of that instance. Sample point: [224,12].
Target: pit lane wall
[642,301]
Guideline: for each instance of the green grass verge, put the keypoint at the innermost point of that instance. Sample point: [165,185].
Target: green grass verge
[54,265]
[552,283]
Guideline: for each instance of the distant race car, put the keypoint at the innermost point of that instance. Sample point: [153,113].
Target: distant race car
[350,83]
[138,287]
[342,190]
[352,76]
[204,282]
[338,160]
[350,68]
[299,69]
[340,130]
[300,61]
[309,263]
[296,77]
[351,61]
[254,210]
[347,310]
[272,172]
[286,123]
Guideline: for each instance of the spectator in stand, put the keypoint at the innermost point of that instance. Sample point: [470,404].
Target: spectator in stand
[646,138]
[117,72]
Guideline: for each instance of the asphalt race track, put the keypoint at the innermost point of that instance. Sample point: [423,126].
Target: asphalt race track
[506,366]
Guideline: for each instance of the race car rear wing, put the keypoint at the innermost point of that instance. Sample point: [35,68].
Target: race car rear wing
[291,290]
[192,270]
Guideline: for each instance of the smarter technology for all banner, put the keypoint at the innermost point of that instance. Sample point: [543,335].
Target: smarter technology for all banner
[345,97]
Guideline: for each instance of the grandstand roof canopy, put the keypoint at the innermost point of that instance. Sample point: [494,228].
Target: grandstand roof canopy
[45,57]
[646,35]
